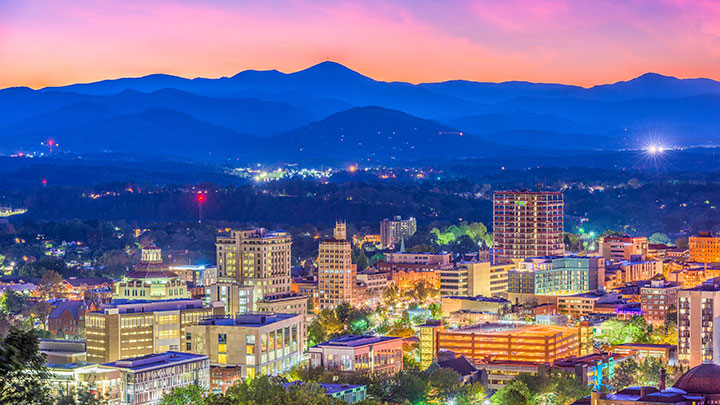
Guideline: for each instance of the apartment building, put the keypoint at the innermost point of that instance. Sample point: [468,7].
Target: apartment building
[699,324]
[656,299]
[528,224]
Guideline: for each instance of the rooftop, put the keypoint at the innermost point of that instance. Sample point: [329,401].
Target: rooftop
[256,319]
[479,298]
[156,360]
[358,340]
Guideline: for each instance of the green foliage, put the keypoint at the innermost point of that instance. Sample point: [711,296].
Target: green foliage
[443,384]
[435,310]
[344,320]
[192,394]
[635,330]
[421,248]
[464,237]
[559,388]
[514,393]
[264,390]
[362,260]
[83,396]
[43,265]
[11,302]
[23,375]
[659,237]
[625,374]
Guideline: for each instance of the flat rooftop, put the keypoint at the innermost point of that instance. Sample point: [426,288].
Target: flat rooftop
[248,319]
[358,340]
[156,360]
[522,330]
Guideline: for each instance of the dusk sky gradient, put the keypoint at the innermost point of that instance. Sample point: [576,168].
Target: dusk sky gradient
[583,42]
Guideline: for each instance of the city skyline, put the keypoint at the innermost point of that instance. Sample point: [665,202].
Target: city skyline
[582,43]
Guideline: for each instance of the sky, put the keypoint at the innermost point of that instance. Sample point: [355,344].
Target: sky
[583,42]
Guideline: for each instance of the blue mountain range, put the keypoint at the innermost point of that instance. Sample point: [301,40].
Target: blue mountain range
[331,111]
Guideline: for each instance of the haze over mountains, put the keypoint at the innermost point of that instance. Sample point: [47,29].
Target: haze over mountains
[330,111]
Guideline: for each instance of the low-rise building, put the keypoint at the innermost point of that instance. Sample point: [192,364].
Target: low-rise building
[148,378]
[67,319]
[258,343]
[59,351]
[105,382]
[496,305]
[348,393]
[472,278]
[223,377]
[487,342]
[558,275]
[579,305]
[372,354]
[623,247]
[667,354]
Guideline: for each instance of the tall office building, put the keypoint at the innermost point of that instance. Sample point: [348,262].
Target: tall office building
[392,231]
[528,224]
[699,323]
[256,257]
[336,272]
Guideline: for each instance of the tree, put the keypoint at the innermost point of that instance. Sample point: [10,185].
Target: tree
[659,237]
[192,394]
[11,302]
[362,260]
[421,248]
[50,284]
[471,394]
[316,333]
[442,384]
[625,374]
[435,310]
[23,375]
[514,393]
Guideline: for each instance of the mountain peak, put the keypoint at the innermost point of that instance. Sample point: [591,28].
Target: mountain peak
[330,70]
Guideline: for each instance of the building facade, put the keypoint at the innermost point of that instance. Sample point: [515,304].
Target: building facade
[124,329]
[557,275]
[148,378]
[704,248]
[151,280]
[392,231]
[528,224]
[236,298]
[475,278]
[699,323]
[372,354]
[337,274]
[257,343]
[536,343]
[657,300]
[622,247]
[255,257]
